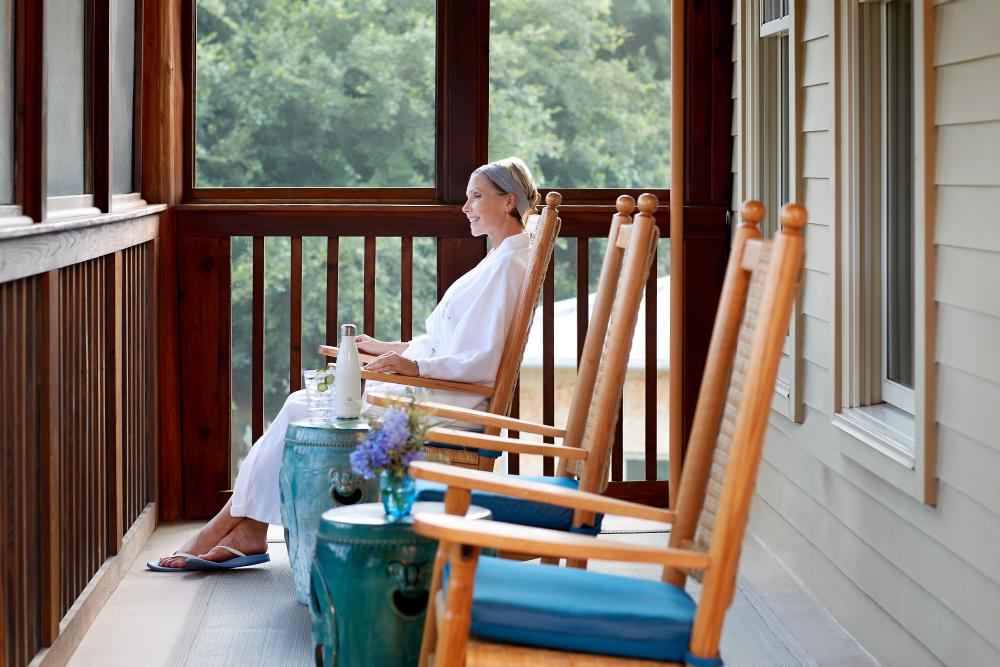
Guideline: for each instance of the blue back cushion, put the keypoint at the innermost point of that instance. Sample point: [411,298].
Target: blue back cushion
[515,510]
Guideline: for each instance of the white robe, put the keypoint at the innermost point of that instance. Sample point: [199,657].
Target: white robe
[464,342]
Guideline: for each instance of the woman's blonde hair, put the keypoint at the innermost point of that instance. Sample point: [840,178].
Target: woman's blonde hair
[522,177]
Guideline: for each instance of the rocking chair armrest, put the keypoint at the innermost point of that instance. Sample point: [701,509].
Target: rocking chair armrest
[427,383]
[547,543]
[332,351]
[469,415]
[477,480]
[495,443]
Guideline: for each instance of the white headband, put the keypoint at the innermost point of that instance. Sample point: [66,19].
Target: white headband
[505,180]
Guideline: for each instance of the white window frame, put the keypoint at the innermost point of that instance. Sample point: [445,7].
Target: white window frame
[892,426]
[764,135]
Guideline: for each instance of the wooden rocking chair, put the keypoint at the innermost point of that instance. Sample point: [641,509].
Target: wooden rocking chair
[544,229]
[570,616]
[584,454]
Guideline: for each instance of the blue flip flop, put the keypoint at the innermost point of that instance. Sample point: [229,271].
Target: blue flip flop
[241,560]
[155,566]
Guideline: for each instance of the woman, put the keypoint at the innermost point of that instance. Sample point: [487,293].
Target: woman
[464,341]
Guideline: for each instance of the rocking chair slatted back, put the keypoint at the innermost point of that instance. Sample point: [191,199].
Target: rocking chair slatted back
[597,328]
[734,401]
[543,228]
[602,410]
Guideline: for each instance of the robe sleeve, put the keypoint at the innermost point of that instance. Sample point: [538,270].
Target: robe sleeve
[477,345]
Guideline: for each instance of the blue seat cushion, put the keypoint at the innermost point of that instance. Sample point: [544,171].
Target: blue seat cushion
[515,510]
[577,610]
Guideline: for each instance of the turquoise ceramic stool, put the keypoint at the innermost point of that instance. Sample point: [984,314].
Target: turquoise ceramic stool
[315,476]
[369,586]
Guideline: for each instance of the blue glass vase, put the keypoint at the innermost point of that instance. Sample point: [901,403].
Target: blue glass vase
[398,493]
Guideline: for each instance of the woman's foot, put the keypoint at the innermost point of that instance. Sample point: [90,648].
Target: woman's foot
[206,538]
[248,537]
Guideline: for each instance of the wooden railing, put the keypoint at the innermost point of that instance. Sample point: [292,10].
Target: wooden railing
[77,426]
[204,237]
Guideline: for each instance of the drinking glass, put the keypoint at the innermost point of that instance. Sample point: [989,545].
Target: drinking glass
[319,394]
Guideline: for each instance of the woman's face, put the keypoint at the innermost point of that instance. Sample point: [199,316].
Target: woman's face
[486,210]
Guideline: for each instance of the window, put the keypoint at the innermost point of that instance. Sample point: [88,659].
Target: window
[883,365]
[65,59]
[586,106]
[773,63]
[768,133]
[315,94]
[122,95]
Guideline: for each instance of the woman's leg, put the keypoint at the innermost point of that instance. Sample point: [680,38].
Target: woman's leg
[256,498]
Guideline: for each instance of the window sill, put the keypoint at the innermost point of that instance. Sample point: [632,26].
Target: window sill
[882,428]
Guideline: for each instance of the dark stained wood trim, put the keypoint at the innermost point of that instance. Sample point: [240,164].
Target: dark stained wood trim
[205,292]
[161,148]
[455,257]
[582,295]
[649,429]
[30,189]
[99,97]
[257,341]
[49,459]
[406,288]
[295,317]
[369,286]
[462,94]
[513,458]
[548,361]
[386,220]
[399,196]
[647,493]
[618,447]
[332,288]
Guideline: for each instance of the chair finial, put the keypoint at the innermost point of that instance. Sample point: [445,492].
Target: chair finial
[625,204]
[553,199]
[648,203]
[752,212]
[793,218]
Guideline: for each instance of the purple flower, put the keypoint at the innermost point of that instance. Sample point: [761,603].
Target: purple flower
[392,444]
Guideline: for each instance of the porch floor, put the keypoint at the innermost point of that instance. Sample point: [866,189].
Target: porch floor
[160,619]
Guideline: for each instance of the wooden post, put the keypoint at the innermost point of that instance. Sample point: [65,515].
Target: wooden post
[676,447]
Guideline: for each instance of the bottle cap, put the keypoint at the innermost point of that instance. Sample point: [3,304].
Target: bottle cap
[348,330]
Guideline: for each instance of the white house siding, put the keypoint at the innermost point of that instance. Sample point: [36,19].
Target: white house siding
[916,585]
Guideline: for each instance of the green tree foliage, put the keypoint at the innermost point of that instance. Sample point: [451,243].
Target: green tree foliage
[340,93]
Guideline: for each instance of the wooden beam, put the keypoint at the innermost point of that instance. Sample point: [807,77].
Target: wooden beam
[29,109]
[161,148]
[114,405]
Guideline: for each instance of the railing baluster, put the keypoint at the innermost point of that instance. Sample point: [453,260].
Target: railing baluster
[582,294]
[295,318]
[618,453]
[651,372]
[257,342]
[406,288]
[513,459]
[332,275]
[548,361]
[369,324]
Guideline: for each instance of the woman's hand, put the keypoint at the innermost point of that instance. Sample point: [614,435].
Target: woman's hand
[369,345]
[392,362]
